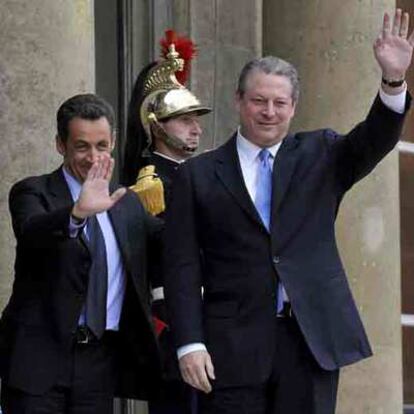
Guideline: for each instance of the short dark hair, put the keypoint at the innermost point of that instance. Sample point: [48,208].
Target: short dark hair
[271,65]
[84,106]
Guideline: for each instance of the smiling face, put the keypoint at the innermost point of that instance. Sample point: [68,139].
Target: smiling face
[86,140]
[266,108]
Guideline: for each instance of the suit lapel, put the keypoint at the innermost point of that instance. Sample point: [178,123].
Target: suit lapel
[130,243]
[229,172]
[283,169]
[59,190]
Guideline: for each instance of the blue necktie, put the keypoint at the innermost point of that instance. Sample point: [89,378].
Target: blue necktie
[263,201]
[264,187]
[98,280]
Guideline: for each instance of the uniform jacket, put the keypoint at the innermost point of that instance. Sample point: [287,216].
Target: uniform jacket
[166,169]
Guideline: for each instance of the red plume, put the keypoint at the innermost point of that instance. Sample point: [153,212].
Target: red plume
[185,48]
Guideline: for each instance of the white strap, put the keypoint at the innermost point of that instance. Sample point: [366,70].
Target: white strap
[158,293]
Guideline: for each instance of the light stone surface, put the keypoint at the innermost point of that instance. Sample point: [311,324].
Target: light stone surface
[330,41]
[46,55]
[227,34]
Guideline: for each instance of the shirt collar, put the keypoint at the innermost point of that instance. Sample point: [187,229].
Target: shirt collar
[74,185]
[168,157]
[250,151]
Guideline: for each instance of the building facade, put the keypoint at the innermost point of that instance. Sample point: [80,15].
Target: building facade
[56,48]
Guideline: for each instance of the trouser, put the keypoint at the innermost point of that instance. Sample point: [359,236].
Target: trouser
[297,384]
[86,384]
[176,397]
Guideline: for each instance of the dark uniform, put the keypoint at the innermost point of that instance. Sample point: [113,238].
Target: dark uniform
[176,397]
[157,97]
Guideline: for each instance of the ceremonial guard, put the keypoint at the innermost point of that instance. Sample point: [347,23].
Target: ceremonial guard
[163,131]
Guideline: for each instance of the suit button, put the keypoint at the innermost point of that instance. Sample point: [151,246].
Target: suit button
[276,259]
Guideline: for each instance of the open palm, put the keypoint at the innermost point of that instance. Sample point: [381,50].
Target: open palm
[94,197]
[393,48]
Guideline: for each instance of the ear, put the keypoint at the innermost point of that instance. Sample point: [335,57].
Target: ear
[293,108]
[237,100]
[60,146]
[113,141]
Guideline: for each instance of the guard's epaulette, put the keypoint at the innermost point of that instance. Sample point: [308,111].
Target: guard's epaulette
[150,190]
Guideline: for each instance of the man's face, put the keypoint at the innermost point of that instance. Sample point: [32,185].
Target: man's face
[266,108]
[187,129]
[87,139]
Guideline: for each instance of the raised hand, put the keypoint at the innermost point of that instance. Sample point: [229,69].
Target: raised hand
[393,48]
[94,197]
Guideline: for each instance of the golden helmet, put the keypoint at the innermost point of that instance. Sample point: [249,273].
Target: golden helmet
[164,96]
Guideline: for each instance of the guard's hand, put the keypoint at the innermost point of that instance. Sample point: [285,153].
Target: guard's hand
[94,197]
[197,370]
[393,48]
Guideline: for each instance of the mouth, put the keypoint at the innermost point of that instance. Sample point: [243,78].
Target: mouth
[267,125]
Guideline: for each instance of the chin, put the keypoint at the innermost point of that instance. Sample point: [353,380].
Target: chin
[80,175]
[268,140]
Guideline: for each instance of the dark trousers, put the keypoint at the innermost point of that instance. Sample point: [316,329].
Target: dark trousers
[86,384]
[175,397]
[297,384]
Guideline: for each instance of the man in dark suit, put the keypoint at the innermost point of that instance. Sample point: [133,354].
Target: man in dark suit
[163,131]
[77,329]
[253,224]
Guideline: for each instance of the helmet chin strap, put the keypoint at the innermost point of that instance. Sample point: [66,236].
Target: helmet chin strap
[171,140]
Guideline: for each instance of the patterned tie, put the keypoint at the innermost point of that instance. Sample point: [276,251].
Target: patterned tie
[98,280]
[263,202]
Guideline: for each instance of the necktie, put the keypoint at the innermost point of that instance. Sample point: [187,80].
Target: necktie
[98,280]
[264,187]
[263,202]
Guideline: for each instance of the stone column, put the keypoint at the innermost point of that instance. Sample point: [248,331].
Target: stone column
[227,33]
[330,41]
[47,55]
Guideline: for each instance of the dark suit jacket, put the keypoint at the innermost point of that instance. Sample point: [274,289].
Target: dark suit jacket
[215,238]
[49,290]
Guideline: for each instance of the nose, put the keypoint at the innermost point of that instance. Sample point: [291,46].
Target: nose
[270,109]
[196,127]
[93,154]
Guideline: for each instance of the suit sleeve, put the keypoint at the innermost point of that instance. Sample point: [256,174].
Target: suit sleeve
[182,267]
[358,152]
[32,221]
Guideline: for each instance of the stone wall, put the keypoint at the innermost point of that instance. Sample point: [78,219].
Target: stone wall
[47,55]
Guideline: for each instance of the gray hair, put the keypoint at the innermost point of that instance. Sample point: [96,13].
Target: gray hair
[271,65]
